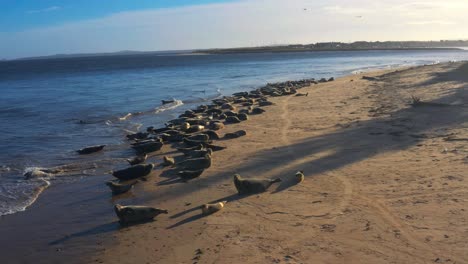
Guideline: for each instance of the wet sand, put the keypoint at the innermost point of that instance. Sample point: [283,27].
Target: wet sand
[384,183]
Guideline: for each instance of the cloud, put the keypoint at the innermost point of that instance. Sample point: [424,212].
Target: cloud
[337,9]
[239,24]
[45,10]
[431,22]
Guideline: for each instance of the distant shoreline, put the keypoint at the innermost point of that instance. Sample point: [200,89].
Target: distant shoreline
[279,50]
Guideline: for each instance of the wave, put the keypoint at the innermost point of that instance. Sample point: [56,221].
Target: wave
[168,106]
[18,196]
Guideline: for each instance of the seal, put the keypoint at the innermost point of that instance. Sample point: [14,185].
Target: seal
[168,161]
[199,153]
[211,134]
[139,135]
[299,176]
[185,126]
[137,160]
[265,103]
[118,188]
[236,134]
[167,101]
[230,113]
[136,213]
[192,143]
[302,94]
[189,174]
[148,147]
[196,163]
[243,117]
[216,125]
[257,110]
[89,150]
[208,209]
[195,128]
[133,172]
[187,150]
[251,186]
[199,137]
[232,120]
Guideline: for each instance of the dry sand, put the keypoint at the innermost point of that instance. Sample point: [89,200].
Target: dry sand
[385,182]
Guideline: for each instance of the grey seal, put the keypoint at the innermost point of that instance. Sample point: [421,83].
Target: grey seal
[136,213]
[196,163]
[208,209]
[119,188]
[236,134]
[137,160]
[91,149]
[251,186]
[133,172]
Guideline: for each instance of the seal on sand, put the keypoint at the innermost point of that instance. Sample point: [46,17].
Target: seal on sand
[168,161]
[187,150]
[136,213]
[299,176]
[196,163]
[208,209]
[250,186]
[236,134]
[89,150]
[243,116]
[257,111]
[118,188]
[216,125]
[192,143]
[133,172]
[137,160]
[148,147]
[232,120]
[199,153]
[211,134]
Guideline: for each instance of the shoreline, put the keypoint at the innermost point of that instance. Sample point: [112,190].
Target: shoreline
[274,146]
[286,50]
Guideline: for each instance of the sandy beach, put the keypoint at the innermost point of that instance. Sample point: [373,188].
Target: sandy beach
[385,182]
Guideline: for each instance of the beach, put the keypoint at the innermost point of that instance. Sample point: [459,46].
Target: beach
[384,183]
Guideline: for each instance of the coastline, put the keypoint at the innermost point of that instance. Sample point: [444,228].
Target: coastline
[286,50]
[344,135]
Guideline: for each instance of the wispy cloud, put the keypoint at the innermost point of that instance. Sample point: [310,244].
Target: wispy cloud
[431,22]
[343,10]
[44,10]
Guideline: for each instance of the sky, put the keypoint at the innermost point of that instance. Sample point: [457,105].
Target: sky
[47,27]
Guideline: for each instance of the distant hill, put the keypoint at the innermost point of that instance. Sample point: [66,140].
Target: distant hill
[341,46]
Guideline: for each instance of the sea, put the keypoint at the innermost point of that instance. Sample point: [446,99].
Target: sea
[49,108]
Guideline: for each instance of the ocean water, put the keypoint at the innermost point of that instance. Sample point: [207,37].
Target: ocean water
[50,108]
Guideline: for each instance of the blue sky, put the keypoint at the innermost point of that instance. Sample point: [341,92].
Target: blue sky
[18,15]
[47,27]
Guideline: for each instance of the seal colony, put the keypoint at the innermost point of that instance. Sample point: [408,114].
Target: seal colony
[193,134]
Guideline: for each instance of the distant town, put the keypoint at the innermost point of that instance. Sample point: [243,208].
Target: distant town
[337,46]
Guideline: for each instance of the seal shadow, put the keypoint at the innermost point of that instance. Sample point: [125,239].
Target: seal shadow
[169,173]
[285,184]
[100,229]
[170,181]
[229,198]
